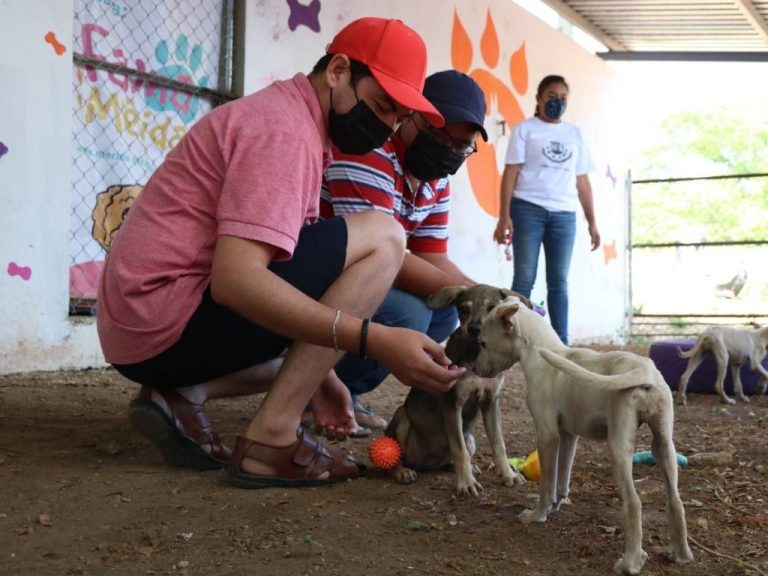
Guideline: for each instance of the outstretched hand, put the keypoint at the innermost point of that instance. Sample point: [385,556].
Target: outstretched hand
[413,358]
[332,409]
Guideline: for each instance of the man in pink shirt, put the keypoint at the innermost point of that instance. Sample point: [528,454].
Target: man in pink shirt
[215,286]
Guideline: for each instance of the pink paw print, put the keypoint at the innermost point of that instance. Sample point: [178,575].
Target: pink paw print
[23,272]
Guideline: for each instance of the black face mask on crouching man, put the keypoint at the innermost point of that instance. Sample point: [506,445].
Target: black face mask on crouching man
[428,159]
[358,131]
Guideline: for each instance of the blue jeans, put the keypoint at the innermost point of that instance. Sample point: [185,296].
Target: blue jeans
[532,227]
[404,310]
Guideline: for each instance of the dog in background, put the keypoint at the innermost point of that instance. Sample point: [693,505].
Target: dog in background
[436,429]
[573,392]
[728,346]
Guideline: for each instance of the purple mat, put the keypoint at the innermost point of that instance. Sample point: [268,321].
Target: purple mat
[664,355]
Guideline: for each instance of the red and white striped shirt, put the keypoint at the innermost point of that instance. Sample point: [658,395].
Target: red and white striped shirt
[377,181]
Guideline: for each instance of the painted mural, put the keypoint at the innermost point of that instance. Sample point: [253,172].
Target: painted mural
[131,125]
[506,50]
[124,125]
[501,102]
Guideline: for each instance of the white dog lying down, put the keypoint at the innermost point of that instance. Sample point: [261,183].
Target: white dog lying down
[574,392]
[734,346]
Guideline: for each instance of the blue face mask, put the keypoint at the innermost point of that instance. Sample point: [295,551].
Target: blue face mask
[555,108]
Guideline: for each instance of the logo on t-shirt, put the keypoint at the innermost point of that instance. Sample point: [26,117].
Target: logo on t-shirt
[557,152]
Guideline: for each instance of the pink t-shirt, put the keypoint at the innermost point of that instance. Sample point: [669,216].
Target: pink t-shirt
[251,168]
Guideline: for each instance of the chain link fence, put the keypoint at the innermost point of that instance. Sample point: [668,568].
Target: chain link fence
[698,254]
[144,73]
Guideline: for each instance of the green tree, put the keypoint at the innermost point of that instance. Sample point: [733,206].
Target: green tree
[703,144]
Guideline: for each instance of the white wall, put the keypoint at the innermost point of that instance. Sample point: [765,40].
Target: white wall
[36,129]
[598,279]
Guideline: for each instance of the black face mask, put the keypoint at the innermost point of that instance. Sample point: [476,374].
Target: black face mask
[428,159]
[358,131]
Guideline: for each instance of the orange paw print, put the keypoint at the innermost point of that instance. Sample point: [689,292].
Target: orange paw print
[609,251]
[484,176]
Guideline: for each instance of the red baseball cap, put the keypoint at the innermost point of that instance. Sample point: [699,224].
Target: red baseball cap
[397,57]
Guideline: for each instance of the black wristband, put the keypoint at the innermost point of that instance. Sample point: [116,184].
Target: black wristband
[363,338]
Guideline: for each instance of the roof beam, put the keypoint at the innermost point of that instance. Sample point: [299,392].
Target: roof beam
[577,19]
[747,7]
[673,56]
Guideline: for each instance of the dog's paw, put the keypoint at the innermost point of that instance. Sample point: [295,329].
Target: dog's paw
[728,400]
[680,554]
[681,400]
[630,564]
[404,475]
[744,398]
[562,501]
[511,477]
[467,486]
[531,516]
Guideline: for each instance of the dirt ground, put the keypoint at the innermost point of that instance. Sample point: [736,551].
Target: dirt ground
[83,494]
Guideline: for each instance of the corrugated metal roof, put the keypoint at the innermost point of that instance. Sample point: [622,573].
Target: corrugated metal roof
[692,26]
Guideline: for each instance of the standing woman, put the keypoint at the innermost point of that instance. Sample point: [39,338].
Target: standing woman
[545,178]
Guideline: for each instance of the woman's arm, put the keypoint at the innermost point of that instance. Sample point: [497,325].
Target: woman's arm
[503,232]
[584,188]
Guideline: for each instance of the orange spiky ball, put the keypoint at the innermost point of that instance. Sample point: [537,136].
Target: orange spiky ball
[384,452]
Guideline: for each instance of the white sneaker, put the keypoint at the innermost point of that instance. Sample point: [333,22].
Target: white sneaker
[367,418]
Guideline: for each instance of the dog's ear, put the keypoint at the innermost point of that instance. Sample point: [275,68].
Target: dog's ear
[445,297]
[504,313]
[505,293]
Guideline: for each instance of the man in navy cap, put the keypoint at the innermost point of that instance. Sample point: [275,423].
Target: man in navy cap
[408,178]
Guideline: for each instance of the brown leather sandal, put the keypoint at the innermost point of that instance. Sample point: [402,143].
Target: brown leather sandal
[306,462]
[180,436]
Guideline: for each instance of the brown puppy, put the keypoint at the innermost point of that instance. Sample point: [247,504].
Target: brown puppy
[436,429]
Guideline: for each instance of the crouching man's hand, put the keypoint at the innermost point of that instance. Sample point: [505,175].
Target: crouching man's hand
[413,358]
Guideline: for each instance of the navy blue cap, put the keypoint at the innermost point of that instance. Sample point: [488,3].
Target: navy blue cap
[457,97]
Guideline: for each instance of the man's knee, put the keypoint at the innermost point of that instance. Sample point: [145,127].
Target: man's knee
[377,234]
[387,230]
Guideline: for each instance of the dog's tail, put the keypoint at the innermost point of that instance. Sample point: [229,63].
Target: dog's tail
[690,352]
[632,379]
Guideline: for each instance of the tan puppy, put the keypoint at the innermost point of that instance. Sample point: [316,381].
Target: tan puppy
[574,392]
[436,429]
[728,346]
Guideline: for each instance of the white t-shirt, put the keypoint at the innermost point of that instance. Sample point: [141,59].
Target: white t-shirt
[552,156]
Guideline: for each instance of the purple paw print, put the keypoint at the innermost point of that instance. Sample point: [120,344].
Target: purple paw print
[3,149]
[306,15]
